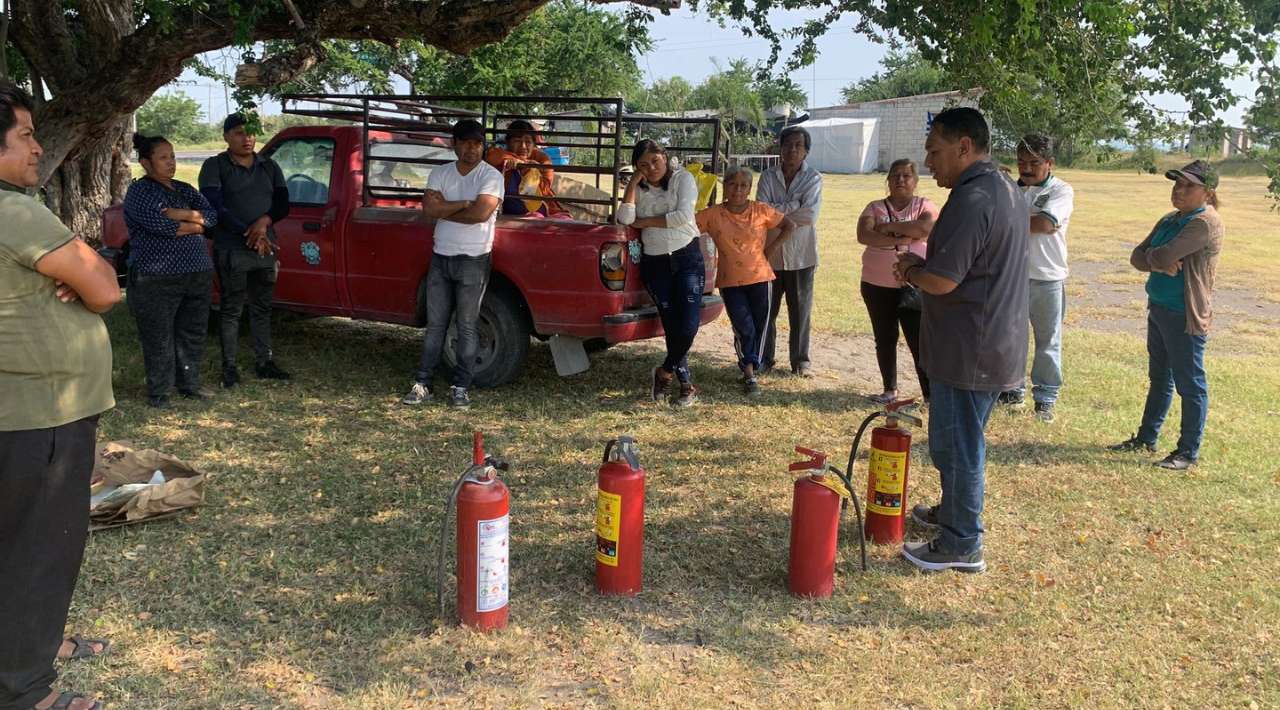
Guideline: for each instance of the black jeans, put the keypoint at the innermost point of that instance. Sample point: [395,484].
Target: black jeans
[172,313]
[44,520]
[882,307]
[245,277]
[455,289]
[797,286]
[675,282]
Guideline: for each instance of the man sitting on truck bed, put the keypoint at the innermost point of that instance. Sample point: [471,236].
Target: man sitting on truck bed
[463,198]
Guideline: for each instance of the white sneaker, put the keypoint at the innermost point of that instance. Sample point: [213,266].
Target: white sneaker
[417,394]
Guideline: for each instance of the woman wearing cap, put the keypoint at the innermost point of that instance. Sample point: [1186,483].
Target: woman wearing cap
[660,202]
[899,222]
[170,272]
[1180,255]
[521,184]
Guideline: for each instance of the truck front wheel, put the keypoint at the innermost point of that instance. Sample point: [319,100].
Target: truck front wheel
[504,340]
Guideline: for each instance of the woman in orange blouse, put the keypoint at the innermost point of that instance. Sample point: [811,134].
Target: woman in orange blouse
[740,228]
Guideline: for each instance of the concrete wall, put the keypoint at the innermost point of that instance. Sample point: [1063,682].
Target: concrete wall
[904,122]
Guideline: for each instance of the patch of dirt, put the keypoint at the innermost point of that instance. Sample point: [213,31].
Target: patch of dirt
[1113,299]
[1099,298]
[847,359]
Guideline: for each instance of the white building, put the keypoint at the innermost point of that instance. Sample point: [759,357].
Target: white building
[902,123]
[843,145]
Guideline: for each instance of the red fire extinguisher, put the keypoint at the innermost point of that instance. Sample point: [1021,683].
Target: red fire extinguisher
[620,519]
[815,526]
[483,549]
[887,469]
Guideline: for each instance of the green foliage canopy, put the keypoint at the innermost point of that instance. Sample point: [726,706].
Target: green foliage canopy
[905,73]
[175,116]
[564,48]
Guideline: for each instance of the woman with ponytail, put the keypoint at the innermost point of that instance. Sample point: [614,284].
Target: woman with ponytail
[170,273]
[660,202]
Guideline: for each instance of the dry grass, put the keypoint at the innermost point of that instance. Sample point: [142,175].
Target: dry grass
[306,581]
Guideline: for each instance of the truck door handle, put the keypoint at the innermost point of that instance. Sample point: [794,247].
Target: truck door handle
[310,226]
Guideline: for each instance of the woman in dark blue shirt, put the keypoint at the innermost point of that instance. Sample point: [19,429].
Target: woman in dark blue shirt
[170,273]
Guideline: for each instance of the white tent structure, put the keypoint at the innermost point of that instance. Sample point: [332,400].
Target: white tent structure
[844,145]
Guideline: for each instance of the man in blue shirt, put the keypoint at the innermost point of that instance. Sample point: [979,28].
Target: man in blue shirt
[973,332]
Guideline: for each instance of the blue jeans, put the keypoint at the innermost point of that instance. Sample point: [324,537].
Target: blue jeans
[1175,360]
[958,445]
[1048,305]
[748,308]
[675,282]
[455,290]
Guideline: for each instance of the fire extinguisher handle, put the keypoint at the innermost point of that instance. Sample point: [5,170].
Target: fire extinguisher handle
[626,447]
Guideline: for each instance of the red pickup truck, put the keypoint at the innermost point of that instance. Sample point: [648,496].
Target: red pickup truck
[348,251]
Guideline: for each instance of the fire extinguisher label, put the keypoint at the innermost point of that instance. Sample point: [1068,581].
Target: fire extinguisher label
[491,563]
[888,476]
[608,525]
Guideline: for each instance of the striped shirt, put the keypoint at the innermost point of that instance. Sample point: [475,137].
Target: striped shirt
[801,201]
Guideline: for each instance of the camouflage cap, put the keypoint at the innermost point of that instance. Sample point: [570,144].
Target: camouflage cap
[1198,172]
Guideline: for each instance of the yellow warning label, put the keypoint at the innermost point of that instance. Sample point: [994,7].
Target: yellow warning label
[888,481]
[608,524]
[834,484]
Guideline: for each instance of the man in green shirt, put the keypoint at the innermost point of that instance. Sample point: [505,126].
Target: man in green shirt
[55,379]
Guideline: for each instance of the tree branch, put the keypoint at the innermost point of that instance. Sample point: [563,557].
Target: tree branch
[293,12]
[154,54]
[663,5]
[102,24]
[40,32]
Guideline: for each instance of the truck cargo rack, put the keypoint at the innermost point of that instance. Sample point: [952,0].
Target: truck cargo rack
[597,129]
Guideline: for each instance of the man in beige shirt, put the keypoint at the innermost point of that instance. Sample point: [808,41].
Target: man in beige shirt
[55,379]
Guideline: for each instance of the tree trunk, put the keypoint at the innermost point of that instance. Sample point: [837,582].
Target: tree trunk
[92,177]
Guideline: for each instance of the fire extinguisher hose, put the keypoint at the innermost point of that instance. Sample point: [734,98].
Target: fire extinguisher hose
[449,503]
[847,478]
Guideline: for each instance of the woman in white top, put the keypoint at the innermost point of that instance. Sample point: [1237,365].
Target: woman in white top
[660,202]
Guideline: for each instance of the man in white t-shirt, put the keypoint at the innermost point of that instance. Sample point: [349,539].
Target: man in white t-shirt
[463,198]
[1050,201]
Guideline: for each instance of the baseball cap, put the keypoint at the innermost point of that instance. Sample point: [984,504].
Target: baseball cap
[1198,172]
[235,120]
[468,129]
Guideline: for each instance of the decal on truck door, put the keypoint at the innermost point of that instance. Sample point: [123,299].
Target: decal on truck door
[311,252]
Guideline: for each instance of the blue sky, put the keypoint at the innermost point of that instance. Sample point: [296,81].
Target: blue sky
[688,45]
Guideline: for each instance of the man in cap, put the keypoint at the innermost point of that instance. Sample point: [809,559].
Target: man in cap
[250,195]
[463,198]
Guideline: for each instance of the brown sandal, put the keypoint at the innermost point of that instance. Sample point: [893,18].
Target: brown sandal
[64,702]
[84,648]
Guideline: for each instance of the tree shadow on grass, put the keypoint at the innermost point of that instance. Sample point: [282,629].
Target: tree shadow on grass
[315,553]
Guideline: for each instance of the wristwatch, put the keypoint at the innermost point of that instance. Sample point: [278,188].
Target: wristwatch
[906,275]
